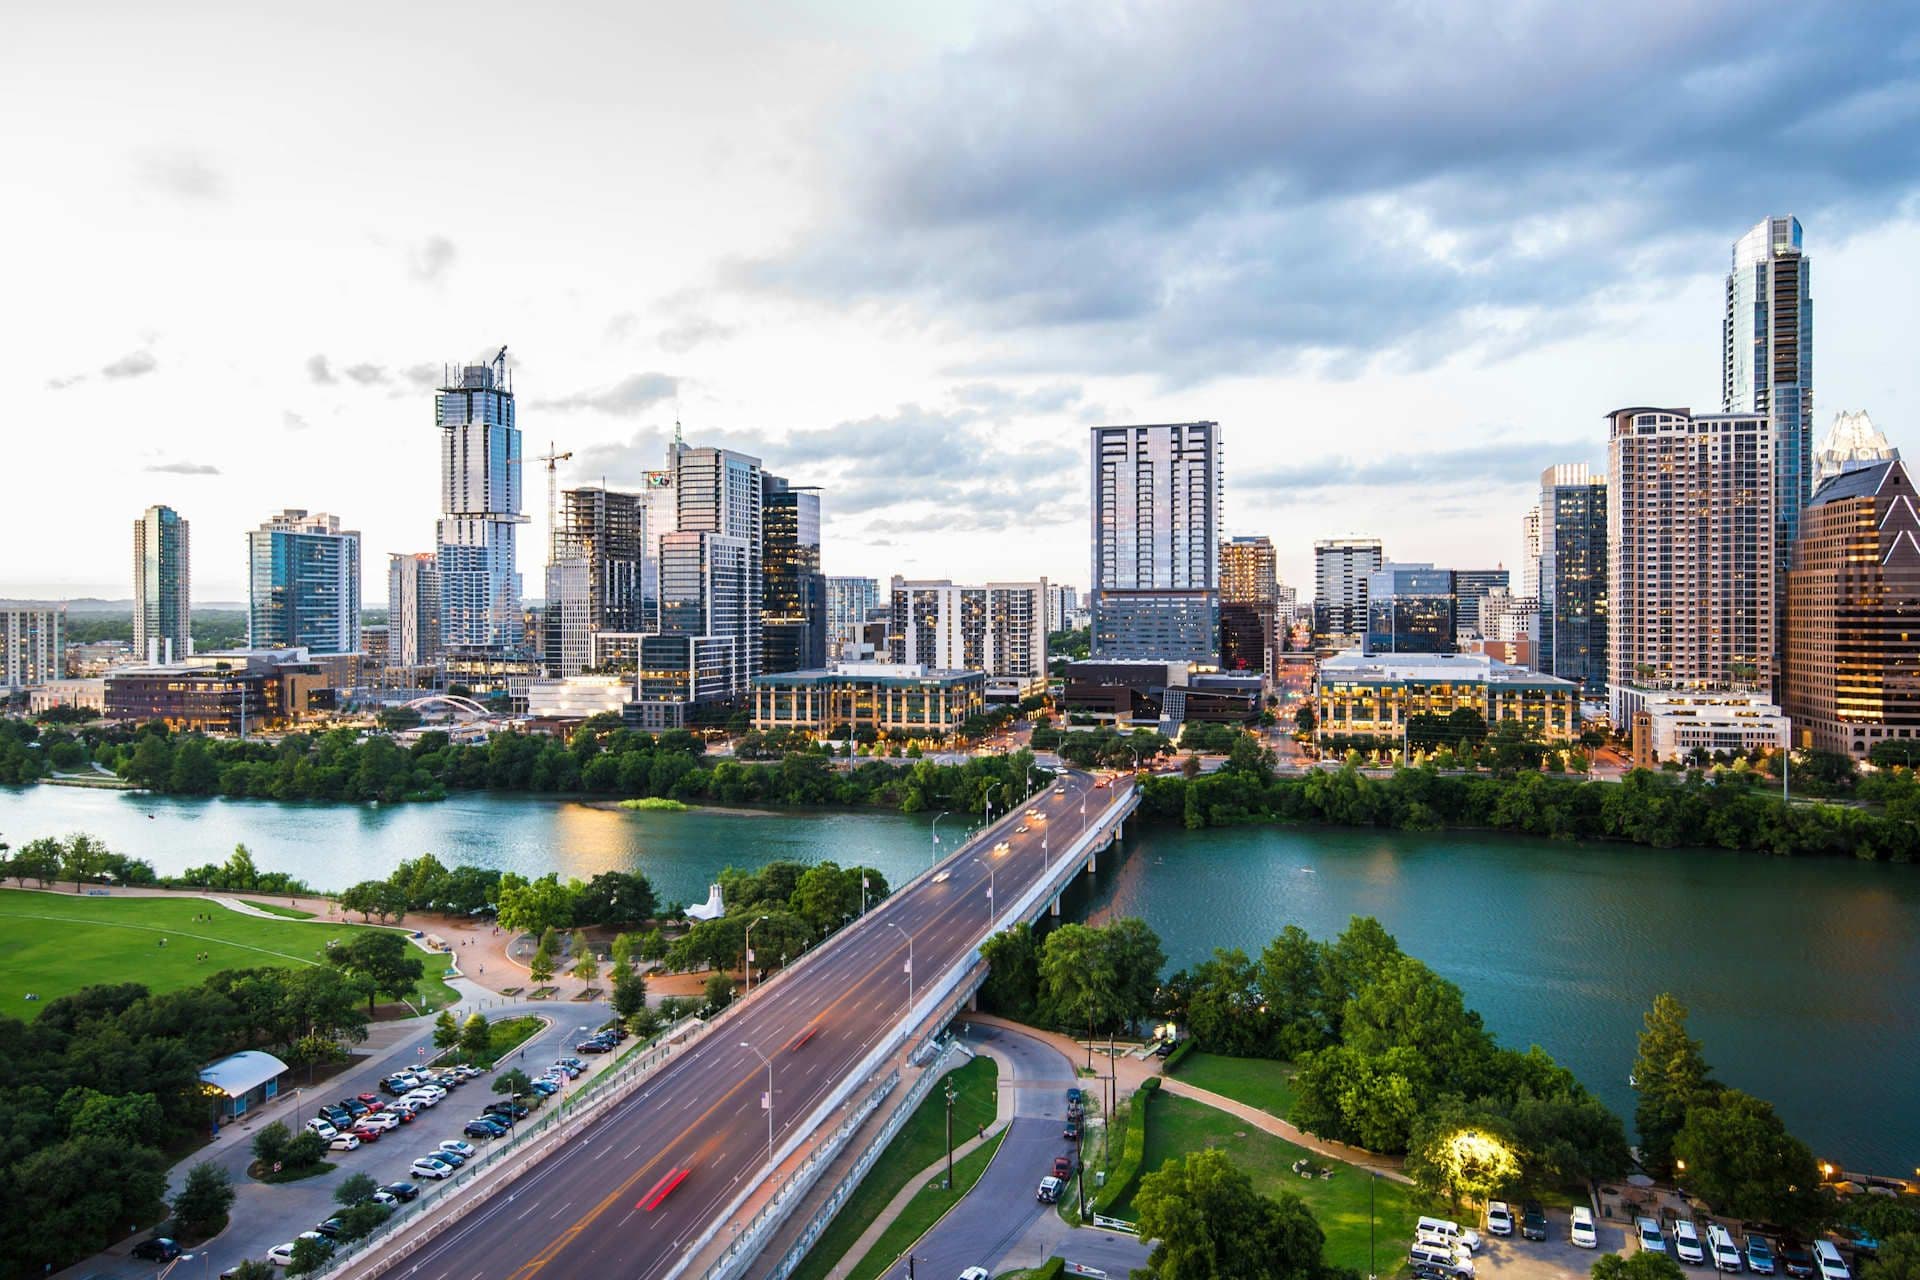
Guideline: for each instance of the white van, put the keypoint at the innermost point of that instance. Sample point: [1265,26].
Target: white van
[1444,1257]
[1452,1230]
[1686,1242]
[1580,1232]
[1827,1258]
[1726,1254]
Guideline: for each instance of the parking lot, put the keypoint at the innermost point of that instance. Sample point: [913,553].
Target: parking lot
[1554,1258]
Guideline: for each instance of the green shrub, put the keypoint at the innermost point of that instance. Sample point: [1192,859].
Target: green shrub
[1127,1168]
[1180,1051]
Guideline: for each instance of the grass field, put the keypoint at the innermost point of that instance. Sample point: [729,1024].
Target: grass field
[53,944]
[1259,1082]
[927,1207]
[921,1141]
[1176,1126]
[285,913]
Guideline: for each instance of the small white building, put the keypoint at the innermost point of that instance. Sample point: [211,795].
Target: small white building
[243,1081]
[1718,720]
[577,697]
[88,693]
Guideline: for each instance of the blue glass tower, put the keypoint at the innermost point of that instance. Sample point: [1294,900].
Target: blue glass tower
[480,505]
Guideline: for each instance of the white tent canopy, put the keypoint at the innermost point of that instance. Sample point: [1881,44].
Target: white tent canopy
[237,1074]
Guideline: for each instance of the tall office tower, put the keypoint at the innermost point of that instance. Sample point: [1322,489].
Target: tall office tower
[1410,609]
[1341,570]
[303,584]
[1249,588]
[1156,542]
[793,600]
[717,493]
[1530,553]
[849,601]
[1690,557]
[1767,369]
[1853,442]
[1062,604]
[657,517]
[566,618]
[1853,654]
[594,575]
[413,609]
[32,648]
[1573,577]
[999,628]
[162,595]
[1470,587]
[480,504]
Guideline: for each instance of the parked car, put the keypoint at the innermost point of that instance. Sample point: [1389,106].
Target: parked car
[343,1142]
[1063,1167]
[1796,1258]
[332,1227]
[323,1127]
[1072,1132]
[430,1167]
[157,1249]
[1726,1254]
[1827,1260]
[545,1088]
[1648,1233]
[498,1124]
[458,1147]
[505,1108]
[593,1046]
[1452,1230]
[282,1254]
[1686,1242]
[1442,1257]
[1580,1232]
[1049,1191]
[453,1158]
[1533,1221]
[480,1129]
[367,1132]
[373,1100]
[386,1198]
[381,1120]
[1759,1254]
[402,1191]
[1499,1218]
[353,1107]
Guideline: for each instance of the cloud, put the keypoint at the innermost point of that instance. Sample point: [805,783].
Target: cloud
[1504,463]
[135,364]
[186,175]
[293,421]
[629,395]
[689,333]
[185,468]
[61,384]
[430,259]
[424,376]
[319,369]
[366,375]
[1209,188]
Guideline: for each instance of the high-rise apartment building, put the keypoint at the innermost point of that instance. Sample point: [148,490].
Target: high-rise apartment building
[1470,587]
[849,602]
[1530,552]
[413,609]
[1572,576]
[657,517]
[1249,591]
[793,599]
[1062,604]
[1341,570]
[565,627]
[999,628]
[1156,494]
[33,647]
[162,586]
[1410,609]
[1853,649]
[1766,369]
[480,488]
[1853,442]
[303,584]
[1691,591]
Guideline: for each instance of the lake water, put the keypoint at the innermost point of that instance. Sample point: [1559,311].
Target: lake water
[1803,977]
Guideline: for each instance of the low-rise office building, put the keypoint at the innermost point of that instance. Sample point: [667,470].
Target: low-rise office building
[1375,694]
[884,696]
[577,697]
[1672,724]
[232,692]
[85,693]
[1147,692]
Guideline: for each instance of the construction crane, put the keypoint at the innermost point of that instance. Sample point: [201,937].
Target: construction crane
[553,460]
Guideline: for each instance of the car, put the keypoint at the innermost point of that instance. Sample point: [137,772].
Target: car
[1580,1232]
[385,1198]
[1533,1221]
[282,1254]
[343,1142]
[569,1062]
[1827,1259]
[1796,1258]
[1100,784]
[545,1088]
[453,1158]
[1499,1218]
[156,1249]
[1726,1254]
[404,1112]
[323,1127]
[1073,1093]
[976,1273]
[1433,1256]
[371,1100]
[353,1107]
[393,1086]
[332,1227]
[367,1132]
[468,1070]
[618,1032]
[402,1191]
[1036,815]
[1648,1233]
[1165,1048]
[500,1124]
[1451,1230]
[1072,1132]
[424,1097]
[504,1108]
[1686,1241]
[1063,1167]
[338,1117]
[429,1167]
[593,1046]
[456,1146]
[1060,788]
[481,1129]
[1003,847]
[381,1120]
[1049,1191]
[1759,1254]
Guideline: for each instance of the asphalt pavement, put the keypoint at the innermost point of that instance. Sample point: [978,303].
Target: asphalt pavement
[638,1186]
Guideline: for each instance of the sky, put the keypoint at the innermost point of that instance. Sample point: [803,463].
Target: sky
[1407,255]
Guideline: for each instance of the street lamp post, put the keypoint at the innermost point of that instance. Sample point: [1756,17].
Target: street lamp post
[936,838]
[989,866]
[749,951]
[989,799]
[768,1103]
[891,924]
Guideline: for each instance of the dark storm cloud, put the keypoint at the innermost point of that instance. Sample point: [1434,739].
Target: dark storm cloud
[629,395]
[1505,462]
[1212,186]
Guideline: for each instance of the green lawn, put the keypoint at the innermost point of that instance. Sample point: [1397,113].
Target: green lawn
[921,1141]
[926,1208]
[54,944]
[1176,1126]
[507,1035]
[285,913]
[1258,1082]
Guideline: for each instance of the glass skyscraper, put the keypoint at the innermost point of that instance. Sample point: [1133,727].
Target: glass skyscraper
[793,605]
[849,601]
[480,505]
[162,597]
[1156,542]
[303,584]
[1572,573]
[1410,609]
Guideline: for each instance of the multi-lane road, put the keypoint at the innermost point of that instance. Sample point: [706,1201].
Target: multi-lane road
[631,1192]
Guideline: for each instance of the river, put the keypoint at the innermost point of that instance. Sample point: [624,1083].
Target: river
[1801,974]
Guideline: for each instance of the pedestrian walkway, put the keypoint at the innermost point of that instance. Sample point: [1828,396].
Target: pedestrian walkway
[1388,1167]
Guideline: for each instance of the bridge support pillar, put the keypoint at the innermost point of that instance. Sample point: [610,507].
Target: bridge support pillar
[1092,863]
[1054,910]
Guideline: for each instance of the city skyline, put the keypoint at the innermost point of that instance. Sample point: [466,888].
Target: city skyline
[1441,349]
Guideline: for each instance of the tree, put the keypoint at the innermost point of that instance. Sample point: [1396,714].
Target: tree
[82,858]
[622,950]
[305,1150]
[1303,718]
[354,1188]
[1462,1151]
[381,960]
[250,1269]
[586,968]
[270,1144]
[1897,1259]
[653,945]
[534,906]
[629,992]
[446,1030]
[366,897]
[1741,1159]
[1639,1265]
[540,967]
[204,1200]
[1208,1223]
[1012,985]
[1670,1076]
[1134,951]
[309,1255]
[1078,984]
[512,1083]
[476,1037]
[718,992]
[615,898]
[39,859]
